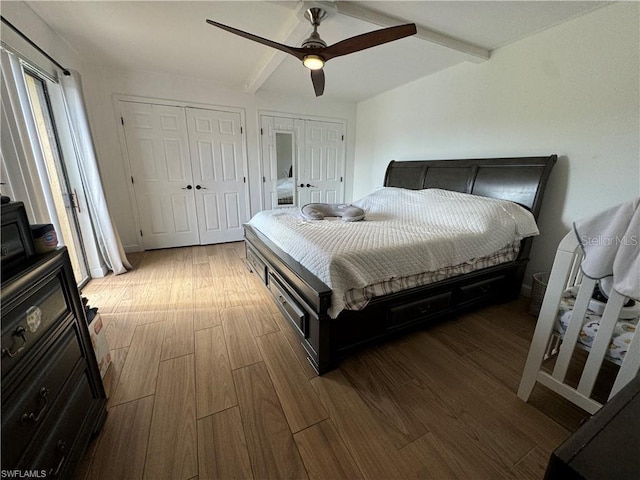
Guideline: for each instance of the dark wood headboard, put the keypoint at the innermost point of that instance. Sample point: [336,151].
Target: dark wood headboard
[521,180]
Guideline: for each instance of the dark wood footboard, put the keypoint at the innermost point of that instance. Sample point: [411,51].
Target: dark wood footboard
[304,300]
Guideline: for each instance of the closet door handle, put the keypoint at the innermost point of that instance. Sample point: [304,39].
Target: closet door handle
[309,185]
[188,187]
[302,185]
[198,187]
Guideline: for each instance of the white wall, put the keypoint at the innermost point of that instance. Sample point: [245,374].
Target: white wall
[570,90]
[102,86]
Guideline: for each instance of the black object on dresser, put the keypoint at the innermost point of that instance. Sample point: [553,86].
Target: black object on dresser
[53,400]
[17,244]
[607,445]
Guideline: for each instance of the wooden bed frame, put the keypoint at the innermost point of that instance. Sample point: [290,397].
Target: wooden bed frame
[304,299]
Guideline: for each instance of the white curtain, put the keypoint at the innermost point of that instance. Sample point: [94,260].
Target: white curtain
[106,234]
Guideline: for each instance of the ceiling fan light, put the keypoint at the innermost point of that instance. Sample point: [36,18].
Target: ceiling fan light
[313,62]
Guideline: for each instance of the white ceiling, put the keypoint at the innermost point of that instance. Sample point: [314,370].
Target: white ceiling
[172,37]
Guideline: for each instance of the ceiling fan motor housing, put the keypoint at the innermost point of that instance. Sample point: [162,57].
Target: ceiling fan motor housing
[315,16]
[314,41]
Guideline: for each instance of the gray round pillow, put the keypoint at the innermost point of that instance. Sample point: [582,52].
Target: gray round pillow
[317,211]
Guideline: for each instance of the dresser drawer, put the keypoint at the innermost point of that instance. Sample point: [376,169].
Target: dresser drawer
[60,448]
[27,317]
[288,305]
[26,410]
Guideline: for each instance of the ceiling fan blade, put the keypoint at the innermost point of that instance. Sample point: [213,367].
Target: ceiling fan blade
[368,40]
[296,52]
[317,78]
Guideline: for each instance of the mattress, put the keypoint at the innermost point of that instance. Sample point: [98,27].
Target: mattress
[405,233]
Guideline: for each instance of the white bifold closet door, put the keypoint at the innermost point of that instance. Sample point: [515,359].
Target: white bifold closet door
[188,173]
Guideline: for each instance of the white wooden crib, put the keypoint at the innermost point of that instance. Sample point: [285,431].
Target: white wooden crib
[547,342]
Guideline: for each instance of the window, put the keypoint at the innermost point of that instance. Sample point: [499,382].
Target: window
[65,200]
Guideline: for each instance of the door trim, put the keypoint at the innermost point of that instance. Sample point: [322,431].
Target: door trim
[133,205]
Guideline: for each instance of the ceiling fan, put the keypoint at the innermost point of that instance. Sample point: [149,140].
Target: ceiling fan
[314,52]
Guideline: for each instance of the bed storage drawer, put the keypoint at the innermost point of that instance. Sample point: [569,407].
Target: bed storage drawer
[288,305]
[482,289]
[418,309]
[255,264]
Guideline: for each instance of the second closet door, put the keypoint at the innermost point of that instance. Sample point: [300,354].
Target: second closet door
[217,163]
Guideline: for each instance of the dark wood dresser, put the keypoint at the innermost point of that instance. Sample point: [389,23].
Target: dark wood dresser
[53,400]
[607,446]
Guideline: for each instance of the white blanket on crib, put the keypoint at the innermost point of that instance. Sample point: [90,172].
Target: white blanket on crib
[611,244]
[405,232]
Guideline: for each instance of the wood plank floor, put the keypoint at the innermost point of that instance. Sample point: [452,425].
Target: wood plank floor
[208,382]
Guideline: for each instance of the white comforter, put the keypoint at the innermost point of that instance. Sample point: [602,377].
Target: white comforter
[405,232]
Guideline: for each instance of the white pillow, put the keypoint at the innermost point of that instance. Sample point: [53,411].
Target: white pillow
[317,211]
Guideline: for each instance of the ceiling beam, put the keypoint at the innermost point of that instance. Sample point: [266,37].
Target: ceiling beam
[295,31]
[473,52]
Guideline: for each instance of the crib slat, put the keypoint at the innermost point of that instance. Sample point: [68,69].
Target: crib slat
[630,365]
[573,329]
[601,343]
[544,328]
[575,275]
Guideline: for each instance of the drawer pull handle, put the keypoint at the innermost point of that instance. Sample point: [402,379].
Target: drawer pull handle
[19,332]
[424,308]
[282,299]
[60,447]
[33,417]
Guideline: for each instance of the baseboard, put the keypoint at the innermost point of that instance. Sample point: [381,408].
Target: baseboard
[98,272]
[133,248]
